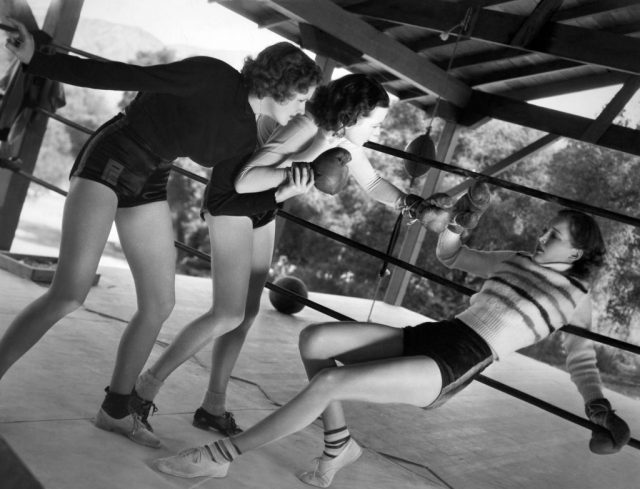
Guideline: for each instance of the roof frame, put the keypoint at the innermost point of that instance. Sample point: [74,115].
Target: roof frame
[601,48]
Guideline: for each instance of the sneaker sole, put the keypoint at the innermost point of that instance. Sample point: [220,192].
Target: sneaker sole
[217,473]
[203,425]
[98,423]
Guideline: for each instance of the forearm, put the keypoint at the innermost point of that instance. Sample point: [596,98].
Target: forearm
[259,178]
[582,366]
[385,192]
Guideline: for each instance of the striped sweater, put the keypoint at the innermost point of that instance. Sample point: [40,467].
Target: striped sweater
[533,289]
[521,303]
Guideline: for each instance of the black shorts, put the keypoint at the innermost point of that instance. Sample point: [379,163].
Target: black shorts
[461,354]
[114,157]
[257,220]
[263,218]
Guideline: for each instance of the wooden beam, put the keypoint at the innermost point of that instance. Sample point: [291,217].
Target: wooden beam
[60,22]
[562,87]
[610,112]
[376,46]
[578,44]
[324,44]
[531,27]
[412,242]
[553,121]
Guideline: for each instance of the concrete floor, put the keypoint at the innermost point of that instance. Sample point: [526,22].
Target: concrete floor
[481,439]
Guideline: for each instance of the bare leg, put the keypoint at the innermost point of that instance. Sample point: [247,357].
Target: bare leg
[410,380]
[231,247]
[146,235]
[226,348]
[348,342]
[88,215]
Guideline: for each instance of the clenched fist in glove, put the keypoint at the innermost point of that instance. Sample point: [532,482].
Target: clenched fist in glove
[467,211]
[330,170]
[614,433]
[434,212]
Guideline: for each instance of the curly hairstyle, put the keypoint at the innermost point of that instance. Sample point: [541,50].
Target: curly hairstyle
[586,236]
[280,71]
[341,102]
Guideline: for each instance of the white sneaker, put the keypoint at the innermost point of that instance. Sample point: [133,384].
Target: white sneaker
[193,462]
[130,426]
[326,469]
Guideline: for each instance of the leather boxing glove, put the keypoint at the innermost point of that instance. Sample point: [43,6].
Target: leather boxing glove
[614,433]
[434,212]
[467,211]
[330,170]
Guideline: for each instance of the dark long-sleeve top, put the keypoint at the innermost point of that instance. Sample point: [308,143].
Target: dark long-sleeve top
[197,107]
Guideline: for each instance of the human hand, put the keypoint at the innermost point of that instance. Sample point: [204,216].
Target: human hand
[299,180]
[19,40]
[615,433]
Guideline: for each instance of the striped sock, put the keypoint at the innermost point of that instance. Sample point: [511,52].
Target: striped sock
[223,451]
[334,441]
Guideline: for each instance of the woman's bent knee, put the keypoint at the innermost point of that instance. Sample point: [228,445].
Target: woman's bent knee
[311,341]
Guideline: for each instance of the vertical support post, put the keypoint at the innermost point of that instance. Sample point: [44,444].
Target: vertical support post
[412,242]
[60,22]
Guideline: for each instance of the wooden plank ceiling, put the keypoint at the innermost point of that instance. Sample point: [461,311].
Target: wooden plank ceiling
[483,58]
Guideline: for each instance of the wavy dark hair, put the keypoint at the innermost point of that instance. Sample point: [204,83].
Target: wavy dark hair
[586,236]
[280,71]
[341,102]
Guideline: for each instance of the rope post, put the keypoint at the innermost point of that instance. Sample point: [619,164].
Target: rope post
[61,22]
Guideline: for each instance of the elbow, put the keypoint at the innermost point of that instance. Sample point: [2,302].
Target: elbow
[240,185]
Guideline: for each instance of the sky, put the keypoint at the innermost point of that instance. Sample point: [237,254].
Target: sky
[209,25]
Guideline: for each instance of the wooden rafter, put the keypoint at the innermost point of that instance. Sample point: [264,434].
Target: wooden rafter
[376,46]
[573,43]
[551,121]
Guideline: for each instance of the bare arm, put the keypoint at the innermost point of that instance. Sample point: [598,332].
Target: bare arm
[371,182]
[267,168]
[453,254]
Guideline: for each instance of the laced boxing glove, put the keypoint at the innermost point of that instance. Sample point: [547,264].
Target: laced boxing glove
[614,433]
[467,211]
[330,170]
[434,212]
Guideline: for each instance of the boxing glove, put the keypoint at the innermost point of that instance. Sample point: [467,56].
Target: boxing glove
[434,212]
[330,170]
[469,208]
[614,433]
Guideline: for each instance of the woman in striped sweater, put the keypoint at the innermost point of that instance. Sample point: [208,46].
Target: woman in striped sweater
[525,298]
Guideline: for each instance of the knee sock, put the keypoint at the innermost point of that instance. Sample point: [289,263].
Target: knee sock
[148,386]
[215,403]
[116,405]
[334,441]
[223,451]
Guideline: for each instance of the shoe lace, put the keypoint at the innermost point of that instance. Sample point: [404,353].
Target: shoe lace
[192,454]
[230,421]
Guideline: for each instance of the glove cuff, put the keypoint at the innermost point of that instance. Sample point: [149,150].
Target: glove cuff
[595,407]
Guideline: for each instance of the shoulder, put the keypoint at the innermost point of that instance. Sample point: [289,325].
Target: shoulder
[208,67]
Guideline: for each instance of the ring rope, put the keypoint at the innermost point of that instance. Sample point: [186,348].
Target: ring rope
[11,165]
[522,189]
[575,330]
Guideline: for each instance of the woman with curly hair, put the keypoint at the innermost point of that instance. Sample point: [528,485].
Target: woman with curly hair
[344,113]
[525,298]
[199,108]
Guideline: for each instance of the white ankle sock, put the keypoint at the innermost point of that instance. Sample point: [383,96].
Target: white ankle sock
[215,403]
[148,386]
